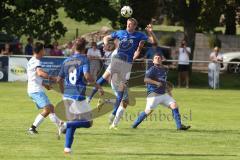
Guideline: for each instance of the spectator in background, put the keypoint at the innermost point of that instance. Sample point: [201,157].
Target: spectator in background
[108,51]
[214,68]
[20,50]
[48,48]
[6,50]
[68,49]
[183,64]
[56,51]
[94,56]
[151,51]
[29,47]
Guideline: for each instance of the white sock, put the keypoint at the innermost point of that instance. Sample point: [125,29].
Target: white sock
[54,119]
[38,120]
[119,115]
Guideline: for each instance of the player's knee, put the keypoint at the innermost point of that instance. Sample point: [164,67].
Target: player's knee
[173,105]
[90,124]
[45,112]
[125,103]
[148,111]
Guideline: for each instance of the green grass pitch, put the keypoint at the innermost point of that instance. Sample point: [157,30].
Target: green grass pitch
[213,115]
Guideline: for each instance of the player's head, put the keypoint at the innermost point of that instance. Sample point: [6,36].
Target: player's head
[157,59]
[131,24]
[80,45]
[39,49]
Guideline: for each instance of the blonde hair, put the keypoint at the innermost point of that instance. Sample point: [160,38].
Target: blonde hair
[133,20]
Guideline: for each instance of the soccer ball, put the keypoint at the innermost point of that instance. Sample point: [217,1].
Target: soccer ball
[126,11]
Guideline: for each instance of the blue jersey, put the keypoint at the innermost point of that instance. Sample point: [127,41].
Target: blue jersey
[128,43]
[72,71]
[159,74]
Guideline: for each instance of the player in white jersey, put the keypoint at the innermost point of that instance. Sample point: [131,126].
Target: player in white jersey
[36,91]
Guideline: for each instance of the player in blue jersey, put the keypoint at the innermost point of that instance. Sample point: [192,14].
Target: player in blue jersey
[156,80]
[72,76]
[121,64]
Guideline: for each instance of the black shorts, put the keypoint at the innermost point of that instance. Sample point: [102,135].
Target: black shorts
[183,68]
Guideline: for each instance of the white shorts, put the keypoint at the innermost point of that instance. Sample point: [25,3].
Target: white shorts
[115,90]
[77,109]
[153,100]
[120,70]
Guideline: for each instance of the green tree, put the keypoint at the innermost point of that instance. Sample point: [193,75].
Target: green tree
[35,18]
[90,11]
[230,12]
[200,16]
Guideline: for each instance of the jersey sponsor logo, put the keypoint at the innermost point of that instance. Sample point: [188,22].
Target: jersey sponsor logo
[74,61]
[126,44]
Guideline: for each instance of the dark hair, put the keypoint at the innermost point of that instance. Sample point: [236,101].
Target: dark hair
[94,44]
[158,54]
[38,47]
[81,43]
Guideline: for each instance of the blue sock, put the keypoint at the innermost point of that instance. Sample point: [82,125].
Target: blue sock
[79,124]
[69,137]
[177,117]
[100,81]
[118,101]
[139,120]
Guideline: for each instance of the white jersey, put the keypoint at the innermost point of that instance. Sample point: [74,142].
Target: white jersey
[183,57]
[34,81]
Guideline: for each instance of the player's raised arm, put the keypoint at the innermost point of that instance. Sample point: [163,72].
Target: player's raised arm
[139,49]
[151,36]
[106,39]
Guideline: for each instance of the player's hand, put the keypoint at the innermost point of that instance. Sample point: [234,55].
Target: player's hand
[149,28]
[159,84]
[141,44]
[54,79]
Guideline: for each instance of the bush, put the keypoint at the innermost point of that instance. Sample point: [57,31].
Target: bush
[213,41]
[168,41]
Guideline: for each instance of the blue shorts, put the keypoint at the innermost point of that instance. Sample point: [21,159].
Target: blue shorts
[40,99]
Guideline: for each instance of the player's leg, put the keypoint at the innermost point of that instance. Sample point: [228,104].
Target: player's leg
[152,103]
[70,130]
[42,102]
[102,80]
[120,79]
[119,114]
[168,101]
[119,98]
[53,117]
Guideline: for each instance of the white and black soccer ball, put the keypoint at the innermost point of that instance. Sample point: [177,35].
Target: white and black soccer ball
[126,11]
